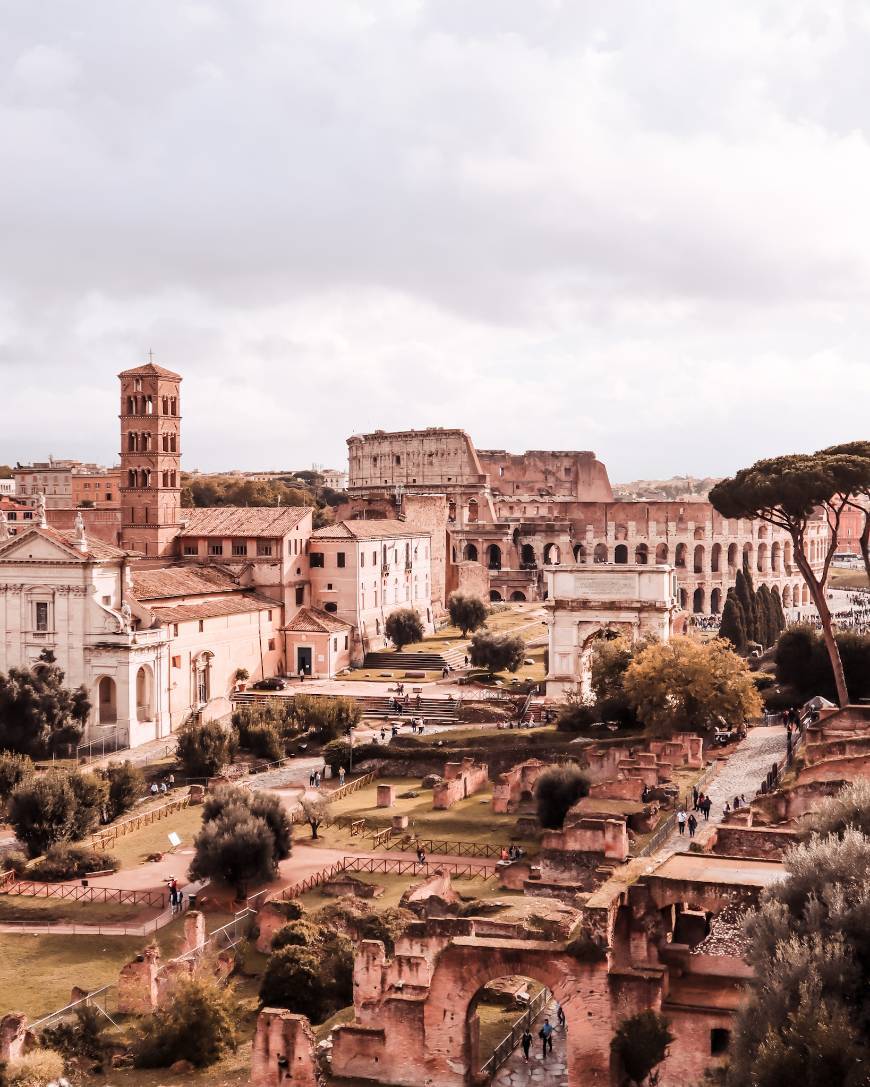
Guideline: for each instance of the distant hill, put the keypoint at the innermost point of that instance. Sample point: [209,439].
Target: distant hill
[677,488]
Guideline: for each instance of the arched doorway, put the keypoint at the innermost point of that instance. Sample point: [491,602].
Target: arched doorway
[552,555]
[600,553]
[107,701]
[470,553]
[497,1015]
[495,596]
[662,554]
[579,552]
[698,600]
[517,596]
[202,677]
[684,599]
[761,565]
[641,554]
[620,554]
[680,555]
[493,556]
[144,693]
[786,596]
[527,556]
[775,556]
[716,601]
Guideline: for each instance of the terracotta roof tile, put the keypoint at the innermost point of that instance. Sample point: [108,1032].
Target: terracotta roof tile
[315,621]
[96,548]
[375,529]
[150,369]
[171,581]
[224,521]
[211,609]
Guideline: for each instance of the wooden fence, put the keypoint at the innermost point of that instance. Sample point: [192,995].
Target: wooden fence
[105,839]
[77,893]
[352,786]
[444,846]
[383,866]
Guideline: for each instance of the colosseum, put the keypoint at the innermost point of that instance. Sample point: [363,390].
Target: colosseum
[506,516]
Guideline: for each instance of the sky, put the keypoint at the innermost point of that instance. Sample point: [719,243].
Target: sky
[641,229]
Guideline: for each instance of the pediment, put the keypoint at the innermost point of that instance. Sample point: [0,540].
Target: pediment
[35,546]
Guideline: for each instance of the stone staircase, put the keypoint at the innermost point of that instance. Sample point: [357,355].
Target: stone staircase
[419,661]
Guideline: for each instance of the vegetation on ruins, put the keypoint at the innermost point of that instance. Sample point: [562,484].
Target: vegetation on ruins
[467,612]
[315,808]
[684,684]
[57,806]
[751,615]
[403,627]
[314,978]
[849,808]
[64,861]
[291,489]
[38,714]
[196,1025]
[126,786]
[557,789]
[84,1035]
[803,663]
[33,1069]
[497,652]
[640,1044]
[244,836]
[787,492]
[204,748]
[807,1019]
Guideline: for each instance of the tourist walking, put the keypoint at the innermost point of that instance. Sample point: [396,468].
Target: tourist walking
[341,775]
[695,797]
[706,806]
[546,1036]
[526,1043]
[681,821]
[560,1016]
[693,825]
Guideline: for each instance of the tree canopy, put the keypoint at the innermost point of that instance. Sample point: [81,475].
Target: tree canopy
[403,627]
[557,790]
[38,714]
[804,664]
[467,612]
[684,684]
[204,748]
[787,492]
[497,652]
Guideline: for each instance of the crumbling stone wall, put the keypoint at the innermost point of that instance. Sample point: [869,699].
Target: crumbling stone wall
[461,779]
[283,1051]
[514,784]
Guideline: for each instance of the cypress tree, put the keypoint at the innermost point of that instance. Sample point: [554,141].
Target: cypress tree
[745,593]
[779,614]
[766,618]
[732,625]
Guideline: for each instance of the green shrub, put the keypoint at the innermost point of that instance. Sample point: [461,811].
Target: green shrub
[301,933]
[34,1069]
[41,811]
[126,786]
[557,789]
[14,861]
[641,1043]
[82,1036]
[337,754]
[204,749]
[313,981]
[14,769]
[466,612]
[196,1025]
[63,862]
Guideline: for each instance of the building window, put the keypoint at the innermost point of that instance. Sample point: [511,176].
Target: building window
[300,595]
[345,641]
[201,625]
[269,615]
[190,549]
[41,616]
[271,643]
[362,558]
[107,600]
[374,558]
[340,558]
[315,559]
[215,548]
[176,662]
[335,645]
[720,1039]
[331,607]
[264,548]
[240,547]
[175,630]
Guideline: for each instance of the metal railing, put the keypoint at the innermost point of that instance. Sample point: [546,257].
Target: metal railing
[77,893]
[102,746]
[502,1052]
[105,838]
[103,999]
[445,846]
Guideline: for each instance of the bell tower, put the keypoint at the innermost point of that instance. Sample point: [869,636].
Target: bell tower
[150,458]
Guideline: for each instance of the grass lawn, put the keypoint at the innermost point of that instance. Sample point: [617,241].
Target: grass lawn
[132,849]
[379,675]
[42,911]
[396,885]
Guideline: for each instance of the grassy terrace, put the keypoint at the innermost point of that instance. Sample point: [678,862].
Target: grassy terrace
[43,911]
[395,886]
[132,849]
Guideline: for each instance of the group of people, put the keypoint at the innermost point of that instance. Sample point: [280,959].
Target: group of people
[314,779]
[165,786]
[176,896]
[739,802]
[545,1034]
[512,853]
[684,820]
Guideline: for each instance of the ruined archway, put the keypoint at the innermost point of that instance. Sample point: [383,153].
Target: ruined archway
[698,561]
[470,553]
[527,555]
[620,554]
[552,555]
[493,557]
[715,557]
[732,556]
[698,600]
[600,553]
[579,552]
[716,601]
[495,596]
[641,554]
[662,554]
[518,597]
[680,555]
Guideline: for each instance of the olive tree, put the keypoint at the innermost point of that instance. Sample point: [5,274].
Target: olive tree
[403,627]
[466,612]
[497,653]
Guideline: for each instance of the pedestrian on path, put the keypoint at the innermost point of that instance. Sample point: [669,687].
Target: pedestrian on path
[560,1016]
[546,1036]
[695,797]
[681,821]
[341,775]
[706,806]
[526,1043]
[693,825]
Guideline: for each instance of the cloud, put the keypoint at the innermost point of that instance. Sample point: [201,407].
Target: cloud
[642,230]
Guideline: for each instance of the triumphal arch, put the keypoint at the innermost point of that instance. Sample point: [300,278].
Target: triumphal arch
[605,600]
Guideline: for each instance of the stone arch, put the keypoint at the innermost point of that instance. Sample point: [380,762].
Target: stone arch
[600,553]
[201,665]
[715,601]
[620,553]
[460,973]
[698,534]
[698,558]
[552,555]
[621,532]
[469,552]
[698,600]
[579,552]
[716,558]
[527,555]
[732,556]
[747,554]
[787,556]
[805,593]
[641,554]
[107,701]
[662,553]
[761,558]
[775,557]
[684,599]
[144,693]
[493,557]
[786,596]
[518,597]
[472,509]
[495,596]
[680,555]
[762,532]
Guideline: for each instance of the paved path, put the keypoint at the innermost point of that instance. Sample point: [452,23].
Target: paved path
[536,1072]
[743,772]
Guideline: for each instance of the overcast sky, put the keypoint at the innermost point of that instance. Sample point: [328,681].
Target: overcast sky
[642,229]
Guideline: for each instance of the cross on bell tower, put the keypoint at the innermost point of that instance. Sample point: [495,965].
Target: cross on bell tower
[150,458]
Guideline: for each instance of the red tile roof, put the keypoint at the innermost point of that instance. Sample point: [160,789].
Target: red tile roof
[375,529]
[211,609]
[172,581]
[315,621]
[96,549]
[225,521]
[150,369]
